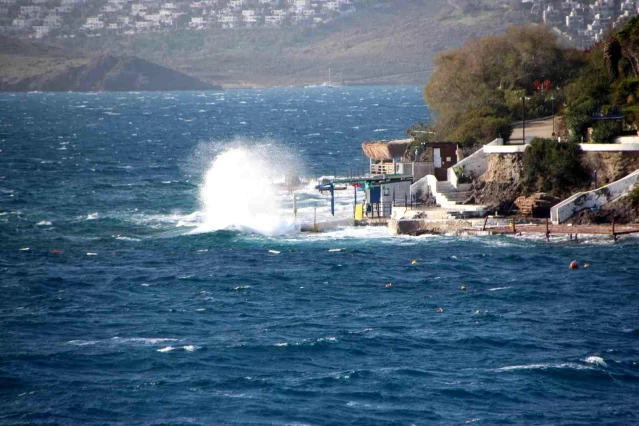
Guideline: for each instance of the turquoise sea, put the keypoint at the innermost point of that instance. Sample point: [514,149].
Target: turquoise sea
[152,273]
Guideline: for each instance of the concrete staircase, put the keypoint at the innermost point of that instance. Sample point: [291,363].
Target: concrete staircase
[450,199]
[447,195]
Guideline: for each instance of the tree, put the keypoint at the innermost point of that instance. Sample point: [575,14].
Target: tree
[472,88]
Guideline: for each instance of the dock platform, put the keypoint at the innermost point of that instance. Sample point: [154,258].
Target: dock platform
[547,229]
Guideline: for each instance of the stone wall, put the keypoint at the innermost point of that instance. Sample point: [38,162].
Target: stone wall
[611,166]
[503,168]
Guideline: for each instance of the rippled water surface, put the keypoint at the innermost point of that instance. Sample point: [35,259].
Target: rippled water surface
[118,307]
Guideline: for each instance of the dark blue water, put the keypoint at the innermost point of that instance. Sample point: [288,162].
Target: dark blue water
[117,315]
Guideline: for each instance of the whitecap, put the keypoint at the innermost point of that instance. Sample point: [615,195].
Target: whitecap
[82,342]
[143,340]
[281,344]
[167,349]
[92,216]
[498,288]
[125,238]
[545,366]
[595,360]
[241,287]
[44,223]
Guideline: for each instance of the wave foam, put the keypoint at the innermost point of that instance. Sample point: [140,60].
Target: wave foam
[546,366]
[239,193]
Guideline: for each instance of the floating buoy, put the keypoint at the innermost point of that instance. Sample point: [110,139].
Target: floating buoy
[91,254]
[574,264]
[440,311]
[463,288]
[56,251]
[389,285]
[586,265]
[414,262]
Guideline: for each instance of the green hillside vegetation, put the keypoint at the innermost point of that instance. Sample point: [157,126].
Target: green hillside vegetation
[477,90]
[607,88]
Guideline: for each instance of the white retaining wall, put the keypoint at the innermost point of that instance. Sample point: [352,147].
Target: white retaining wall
[420,187]
[627,139]
[475,164]
[591,199]
[608,147]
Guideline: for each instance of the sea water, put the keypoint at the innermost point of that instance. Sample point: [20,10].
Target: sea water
[152,272]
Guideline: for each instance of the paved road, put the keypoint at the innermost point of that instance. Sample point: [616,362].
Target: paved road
[537,128]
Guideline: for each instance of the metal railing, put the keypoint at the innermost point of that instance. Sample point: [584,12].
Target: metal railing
[409,202]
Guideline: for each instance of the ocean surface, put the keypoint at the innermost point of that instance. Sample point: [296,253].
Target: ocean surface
[152,272]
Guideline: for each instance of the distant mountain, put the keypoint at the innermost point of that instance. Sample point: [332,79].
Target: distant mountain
[26,66]
[393,42]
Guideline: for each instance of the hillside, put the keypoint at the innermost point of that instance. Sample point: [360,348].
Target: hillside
[26,66]
[393,43]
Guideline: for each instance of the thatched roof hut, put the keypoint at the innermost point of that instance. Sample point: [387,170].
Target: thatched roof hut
[386,150]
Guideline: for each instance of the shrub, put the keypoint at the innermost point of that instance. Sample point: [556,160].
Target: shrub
[633,195]
[553,167]
[605,131]
[462,176]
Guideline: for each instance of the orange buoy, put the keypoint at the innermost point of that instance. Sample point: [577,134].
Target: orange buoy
[56,251]
[574,264]
[389,285]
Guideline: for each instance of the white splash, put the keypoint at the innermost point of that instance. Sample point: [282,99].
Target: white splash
[239,192]
[595,360]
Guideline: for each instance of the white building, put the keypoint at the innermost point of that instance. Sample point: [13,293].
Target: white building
[93,23]
[274,20]
[137,9]
[332,5]
[41,30]
[197,22]
[53,21]
[30,10]
[21,23]
[228,21]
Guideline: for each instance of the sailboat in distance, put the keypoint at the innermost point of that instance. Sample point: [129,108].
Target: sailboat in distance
[328,83]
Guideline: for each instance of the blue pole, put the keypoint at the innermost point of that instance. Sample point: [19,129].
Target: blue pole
[332,199]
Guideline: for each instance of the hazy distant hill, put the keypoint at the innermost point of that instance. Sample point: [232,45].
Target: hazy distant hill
[392,43]
[26,66]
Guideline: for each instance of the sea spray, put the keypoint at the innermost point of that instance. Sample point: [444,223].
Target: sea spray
[239,192]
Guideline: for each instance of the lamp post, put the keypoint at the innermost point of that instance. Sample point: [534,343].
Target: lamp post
[523,122]
[552,99]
